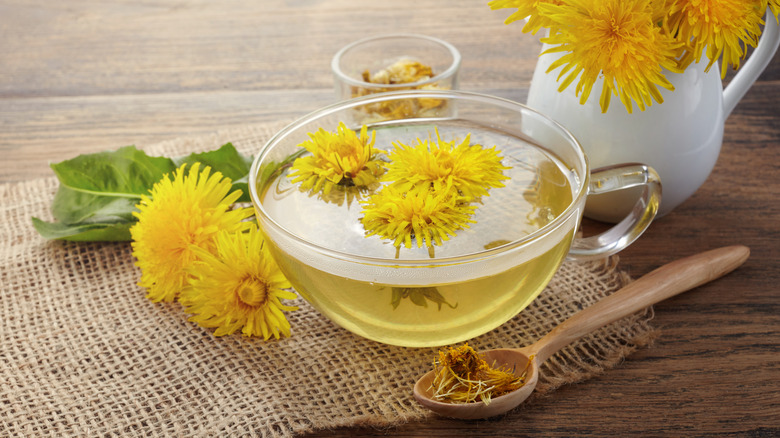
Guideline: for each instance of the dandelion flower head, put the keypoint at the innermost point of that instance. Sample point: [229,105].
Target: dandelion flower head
[180,214]
[716,28]
[526,9]
[429,216]
[469,169]
[774,5]
[616,40]
[340,157]
[239,287]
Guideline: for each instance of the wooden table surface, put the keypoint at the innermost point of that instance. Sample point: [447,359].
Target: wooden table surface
[83,76]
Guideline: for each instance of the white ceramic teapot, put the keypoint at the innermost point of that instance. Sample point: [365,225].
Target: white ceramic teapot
[680,138]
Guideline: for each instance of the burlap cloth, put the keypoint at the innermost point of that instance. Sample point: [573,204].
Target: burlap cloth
[84,353]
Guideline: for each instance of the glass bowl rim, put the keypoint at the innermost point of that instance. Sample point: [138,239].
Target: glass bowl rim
[450,71]
[524,241]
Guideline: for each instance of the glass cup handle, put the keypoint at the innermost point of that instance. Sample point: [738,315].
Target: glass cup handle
[625,232]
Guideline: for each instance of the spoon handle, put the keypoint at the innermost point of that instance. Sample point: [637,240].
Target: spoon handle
[662,283]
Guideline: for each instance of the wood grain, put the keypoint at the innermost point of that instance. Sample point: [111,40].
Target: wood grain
[82,76]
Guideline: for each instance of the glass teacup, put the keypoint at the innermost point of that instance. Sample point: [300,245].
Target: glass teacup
[487,271]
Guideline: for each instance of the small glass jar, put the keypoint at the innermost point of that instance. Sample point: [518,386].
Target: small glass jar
[367,66]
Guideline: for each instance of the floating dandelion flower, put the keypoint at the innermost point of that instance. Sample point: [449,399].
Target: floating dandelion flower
[429,217]
[469,169]
[342,158]
[181,214]
[616,40]
[239,286]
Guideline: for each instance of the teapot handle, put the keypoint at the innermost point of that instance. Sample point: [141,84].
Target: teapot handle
[756,63]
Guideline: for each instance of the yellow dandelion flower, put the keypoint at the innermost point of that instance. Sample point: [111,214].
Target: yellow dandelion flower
[340,157]
[429,216]
[239,286]
[180,214]
[616,40]
[719,27]
[774,5]
[468,168]
[526,9]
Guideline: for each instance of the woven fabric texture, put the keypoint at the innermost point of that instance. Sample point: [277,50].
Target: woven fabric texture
[84,353]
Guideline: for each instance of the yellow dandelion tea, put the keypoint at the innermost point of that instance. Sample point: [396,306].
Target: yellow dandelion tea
[468,168]
[338,158]
[429,217]
[461,375]
[179,215]
[616,40]
[718,28]
[375,291]
[239,287]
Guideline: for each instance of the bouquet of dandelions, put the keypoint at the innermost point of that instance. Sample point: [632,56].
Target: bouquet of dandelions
[192,237]
[630,43]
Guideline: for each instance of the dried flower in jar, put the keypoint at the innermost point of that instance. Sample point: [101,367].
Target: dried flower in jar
[401,72]
[404,71]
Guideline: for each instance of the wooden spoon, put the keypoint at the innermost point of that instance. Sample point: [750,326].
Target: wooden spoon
[660,284]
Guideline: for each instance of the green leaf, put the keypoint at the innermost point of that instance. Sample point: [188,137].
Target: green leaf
[273,169]
[398,294]
[229,162]
[433,294]
[83,232]
[226,159]
[243,185]
[98,192]
[419,296]
[74,207]
[126,172]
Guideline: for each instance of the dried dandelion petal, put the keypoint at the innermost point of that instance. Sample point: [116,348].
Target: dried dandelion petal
[461,375]
[403,71]
[428,103]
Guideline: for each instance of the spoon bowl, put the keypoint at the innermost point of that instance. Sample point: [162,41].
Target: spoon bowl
[665,282]
[512,358]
